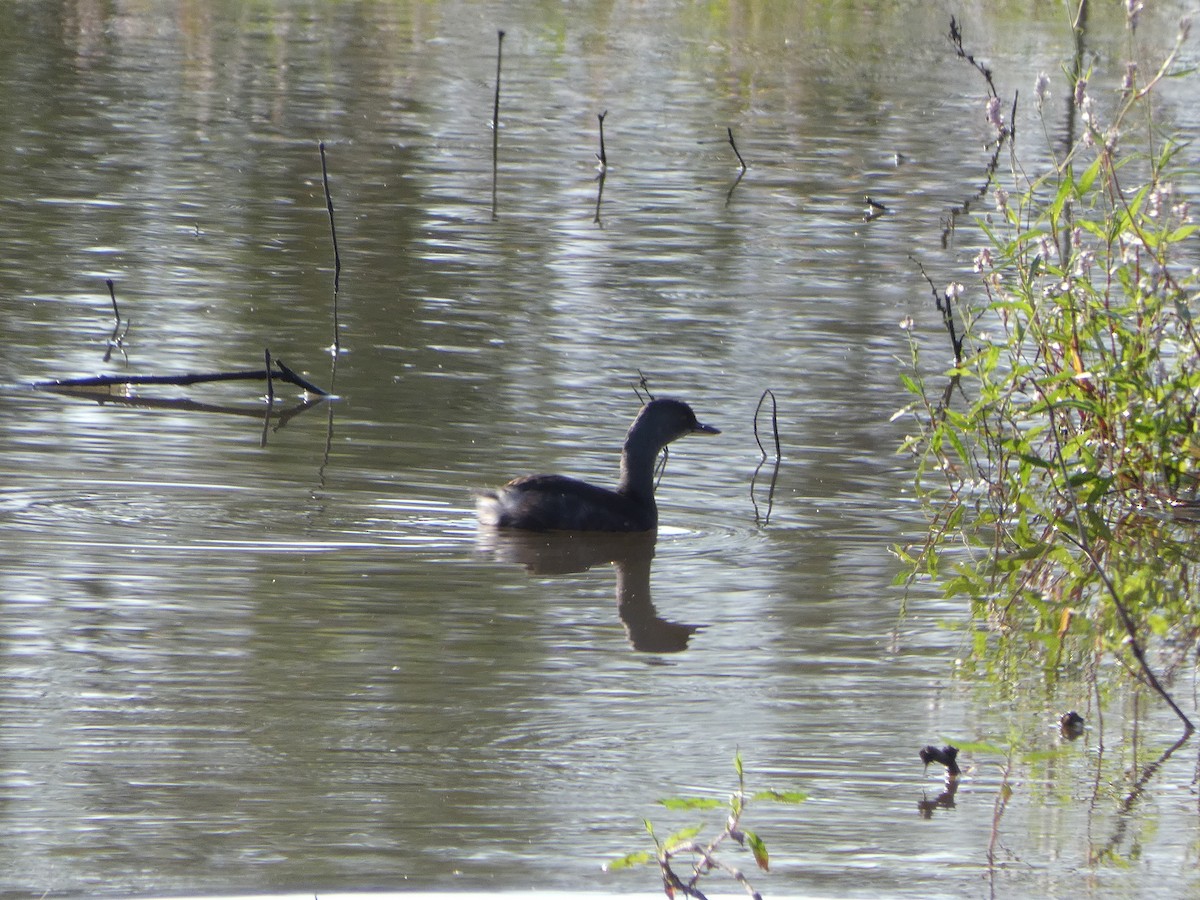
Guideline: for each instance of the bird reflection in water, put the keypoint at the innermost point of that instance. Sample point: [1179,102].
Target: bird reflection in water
[944,800]
[561,553]
[946,756]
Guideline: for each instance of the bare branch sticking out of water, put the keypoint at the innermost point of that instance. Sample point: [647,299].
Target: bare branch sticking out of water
[112,293]
[337,258]
[774,423]
[496,119]
[602,156]
[116,340]
[764,519]
[270,379]
[270,398]
[602,170]
[599,198]
[732,144]
[741,170]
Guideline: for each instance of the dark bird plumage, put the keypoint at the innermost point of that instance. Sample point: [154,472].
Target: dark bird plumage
[558,503]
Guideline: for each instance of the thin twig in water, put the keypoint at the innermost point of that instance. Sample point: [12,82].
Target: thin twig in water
[117,339]
[270,398]
[270,379]
[602,156]
[112,293]
[599,197]
[741,161]
[496,119]
[758,518]
[337,259]
[774,423]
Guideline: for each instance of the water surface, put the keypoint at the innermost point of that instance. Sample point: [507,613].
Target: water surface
[237,667]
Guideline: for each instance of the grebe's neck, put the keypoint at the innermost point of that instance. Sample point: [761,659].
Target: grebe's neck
[637,469]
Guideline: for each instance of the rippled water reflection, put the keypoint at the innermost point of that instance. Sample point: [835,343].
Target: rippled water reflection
[236,667]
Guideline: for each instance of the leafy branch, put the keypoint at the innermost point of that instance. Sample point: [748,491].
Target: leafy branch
[1070,471]
[703,855]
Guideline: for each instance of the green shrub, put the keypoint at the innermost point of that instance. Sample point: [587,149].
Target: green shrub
[1062,455]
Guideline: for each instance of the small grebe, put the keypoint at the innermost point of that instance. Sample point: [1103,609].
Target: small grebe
[558,503]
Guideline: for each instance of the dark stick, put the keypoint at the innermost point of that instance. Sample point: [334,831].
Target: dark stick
[741,161]
[956,39]
[262,442]
[774,423]
[1007,131]
[643,384]
[270,379]
[337,259]
[943,303]
[496,119]
[599,196]
[113,296]
[284,374]
[602,155]
[117,339]
[758,518]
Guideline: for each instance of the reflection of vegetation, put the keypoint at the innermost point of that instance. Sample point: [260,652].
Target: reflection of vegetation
[704,855]
[1096,790]
[1071,474]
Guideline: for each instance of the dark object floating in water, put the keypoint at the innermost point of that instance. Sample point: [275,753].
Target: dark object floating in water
[558,503]
[1071,725]
[875,209]
[946,756]
[283,373]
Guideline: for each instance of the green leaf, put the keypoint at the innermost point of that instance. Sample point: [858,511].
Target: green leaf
[910,385]
[691,803]
[976,747]
[650,831]
[682,836]
[759,849]
[1088,177]
[781,796]
[629,860]
[1158,624]
[1036,461]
